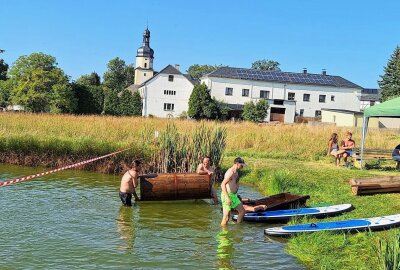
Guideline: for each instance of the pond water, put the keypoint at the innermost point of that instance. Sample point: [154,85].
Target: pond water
[74,220]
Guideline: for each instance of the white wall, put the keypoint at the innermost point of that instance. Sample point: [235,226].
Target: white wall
[339,118]
[345,98]
[154,97]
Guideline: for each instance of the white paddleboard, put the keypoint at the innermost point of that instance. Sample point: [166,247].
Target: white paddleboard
[352,225]
[278,215]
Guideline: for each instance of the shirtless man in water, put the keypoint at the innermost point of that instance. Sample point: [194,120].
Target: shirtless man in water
[129,182]
[205,168]
[229,196]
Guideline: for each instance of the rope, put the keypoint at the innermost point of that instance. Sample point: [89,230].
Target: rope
[9,182]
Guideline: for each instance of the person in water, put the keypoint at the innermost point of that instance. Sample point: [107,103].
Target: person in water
[129,182]
[205,168]
[230,187]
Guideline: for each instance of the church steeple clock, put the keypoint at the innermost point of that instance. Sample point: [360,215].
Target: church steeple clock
[144,60]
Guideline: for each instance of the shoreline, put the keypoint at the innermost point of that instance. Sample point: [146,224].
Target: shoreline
[109,165]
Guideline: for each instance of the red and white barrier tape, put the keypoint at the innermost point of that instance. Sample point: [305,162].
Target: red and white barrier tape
[9,182]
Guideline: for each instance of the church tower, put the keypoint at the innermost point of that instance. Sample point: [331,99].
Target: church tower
[144,60]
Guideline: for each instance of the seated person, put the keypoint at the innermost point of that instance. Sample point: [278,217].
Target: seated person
[333,148]
[205,168]
[347,145]
[248,208]
[396,156]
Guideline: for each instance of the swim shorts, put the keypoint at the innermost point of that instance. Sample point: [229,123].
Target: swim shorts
[349,153]
[235,201]
[126,198]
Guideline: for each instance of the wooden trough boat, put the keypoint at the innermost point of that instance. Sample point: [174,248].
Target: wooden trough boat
[365,186]
[175,186]
[279,201]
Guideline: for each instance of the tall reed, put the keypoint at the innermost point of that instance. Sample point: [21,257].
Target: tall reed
[181,152]
[388,252]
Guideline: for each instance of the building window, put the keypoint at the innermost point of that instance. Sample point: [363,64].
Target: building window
[144,74]
[245,92]
[322,98]
[228,91]
[169,106]
[170,92]
[278,101]
[145,65]
[290,96]
[301,112]
[332,98]
[171,78]
[317,113]
[264,94]
[306,97]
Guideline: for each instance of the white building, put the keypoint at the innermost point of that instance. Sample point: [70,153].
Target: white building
[167,93]
[288,94]
[164,94]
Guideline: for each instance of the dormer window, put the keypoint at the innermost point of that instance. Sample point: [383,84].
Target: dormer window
[170,78]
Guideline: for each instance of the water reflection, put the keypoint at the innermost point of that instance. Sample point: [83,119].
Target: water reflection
[225,249]
[126,228]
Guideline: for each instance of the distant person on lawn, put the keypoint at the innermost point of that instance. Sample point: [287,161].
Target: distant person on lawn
[205,168]
[333,148]
[347,145]
[396,156]
[230,187]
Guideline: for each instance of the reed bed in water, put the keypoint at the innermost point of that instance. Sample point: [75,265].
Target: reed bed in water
[62,134]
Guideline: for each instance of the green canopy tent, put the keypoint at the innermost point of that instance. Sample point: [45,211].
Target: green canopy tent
[390,108]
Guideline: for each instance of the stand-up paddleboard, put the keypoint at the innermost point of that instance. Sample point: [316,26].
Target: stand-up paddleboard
[284,215]
[351,225]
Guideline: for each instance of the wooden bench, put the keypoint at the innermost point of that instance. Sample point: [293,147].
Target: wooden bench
[373,154]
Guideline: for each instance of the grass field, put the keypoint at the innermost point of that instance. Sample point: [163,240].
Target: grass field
[326,184]
[281,158]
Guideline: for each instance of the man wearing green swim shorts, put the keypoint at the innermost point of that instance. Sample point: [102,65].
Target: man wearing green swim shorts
[230,187]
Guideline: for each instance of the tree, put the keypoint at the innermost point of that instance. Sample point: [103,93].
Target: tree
[119,75]
[117,78]
[3,70]
[89,93]
[201,105]
[130,104]
[40,86]
[390,81]
[5,91]
[255,112]
[266,65]
[197,71]
[222,109]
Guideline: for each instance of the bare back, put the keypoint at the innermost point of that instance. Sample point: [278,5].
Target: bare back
[231,178]
[129,181]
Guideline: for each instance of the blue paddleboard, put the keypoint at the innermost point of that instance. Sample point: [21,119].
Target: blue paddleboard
[279,215]
[375,223]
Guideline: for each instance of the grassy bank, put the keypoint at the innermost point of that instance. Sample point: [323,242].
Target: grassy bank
[76,135]
[327,184]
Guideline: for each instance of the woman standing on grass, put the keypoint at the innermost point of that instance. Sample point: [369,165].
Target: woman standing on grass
[333,148]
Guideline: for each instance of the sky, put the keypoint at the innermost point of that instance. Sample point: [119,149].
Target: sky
[352,39]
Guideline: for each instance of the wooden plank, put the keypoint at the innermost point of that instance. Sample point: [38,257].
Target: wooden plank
[376,191]
[373,185]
